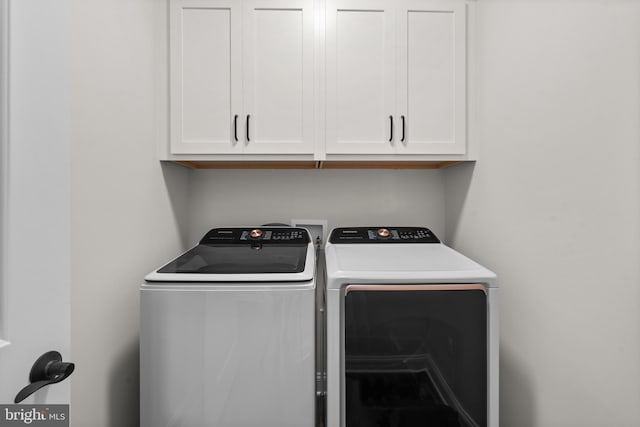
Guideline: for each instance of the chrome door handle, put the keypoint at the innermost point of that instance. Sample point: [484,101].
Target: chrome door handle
[48,369]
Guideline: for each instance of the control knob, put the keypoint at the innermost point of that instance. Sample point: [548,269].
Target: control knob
[383,233]
[255,233]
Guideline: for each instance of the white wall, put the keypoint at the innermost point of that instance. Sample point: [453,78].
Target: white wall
[126,208]
[343,197]
[553,206]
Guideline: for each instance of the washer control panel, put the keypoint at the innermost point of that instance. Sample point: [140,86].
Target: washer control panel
[383,235]
[230,236]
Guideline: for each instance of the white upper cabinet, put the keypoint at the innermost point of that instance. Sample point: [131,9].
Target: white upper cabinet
[396,77]
[206,76]
[279,76]
[431,83]
[360,69]
[318,80]
[242,76]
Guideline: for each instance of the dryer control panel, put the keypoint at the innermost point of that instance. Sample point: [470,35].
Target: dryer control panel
[383,235]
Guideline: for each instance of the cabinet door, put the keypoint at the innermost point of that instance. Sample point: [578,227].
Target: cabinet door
[431,76]
[205,76]
[278,76]
[360,71]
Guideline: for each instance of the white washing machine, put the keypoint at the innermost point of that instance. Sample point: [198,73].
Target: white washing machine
[227,333]
[412,332]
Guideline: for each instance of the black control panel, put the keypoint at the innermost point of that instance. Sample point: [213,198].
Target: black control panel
[240,236]
[383,235]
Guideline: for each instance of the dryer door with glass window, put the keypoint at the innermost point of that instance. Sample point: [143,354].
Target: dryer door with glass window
[415,355]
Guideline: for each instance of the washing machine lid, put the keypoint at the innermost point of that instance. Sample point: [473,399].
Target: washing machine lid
[383,255]
[244,254]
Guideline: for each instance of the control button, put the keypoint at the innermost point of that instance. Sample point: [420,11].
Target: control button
[255,233]
[383,232]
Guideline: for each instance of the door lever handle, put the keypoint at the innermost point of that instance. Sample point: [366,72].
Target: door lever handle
[48,369]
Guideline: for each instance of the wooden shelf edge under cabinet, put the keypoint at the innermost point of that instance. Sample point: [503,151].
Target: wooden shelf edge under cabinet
[303,164]
[389,164]
[234,164]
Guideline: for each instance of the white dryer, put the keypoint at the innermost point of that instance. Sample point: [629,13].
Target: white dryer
[227,333]
[412,332]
